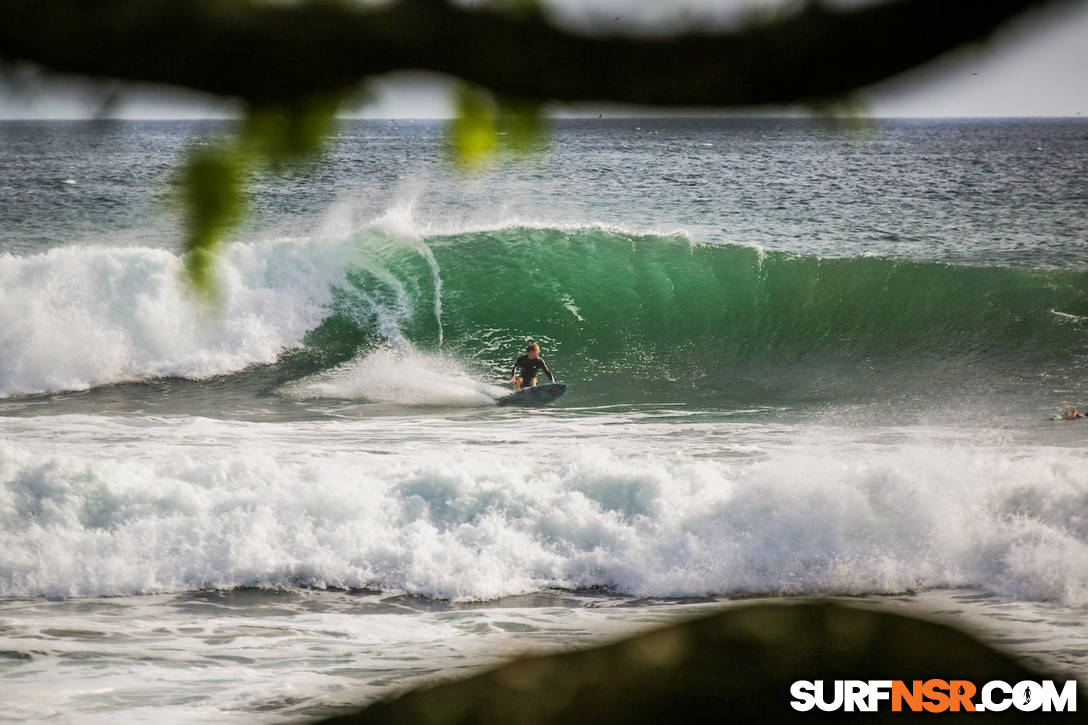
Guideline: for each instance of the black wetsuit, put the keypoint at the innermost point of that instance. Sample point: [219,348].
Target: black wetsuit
[529,366]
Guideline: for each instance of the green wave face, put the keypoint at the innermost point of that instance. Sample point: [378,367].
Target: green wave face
[660,316]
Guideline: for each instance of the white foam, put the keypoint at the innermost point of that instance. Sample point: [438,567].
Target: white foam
[76,317]
[399,220]
[465,510]
[568,302]
[1068,316]
[403,219]
[80,316]
[403,376]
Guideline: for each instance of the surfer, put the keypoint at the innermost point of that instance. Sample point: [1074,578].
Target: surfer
[1072,414]
[528,364]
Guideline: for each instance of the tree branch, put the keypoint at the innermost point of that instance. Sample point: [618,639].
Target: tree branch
[275,53]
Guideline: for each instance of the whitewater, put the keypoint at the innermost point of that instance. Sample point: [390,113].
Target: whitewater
[176,507]
[800,362]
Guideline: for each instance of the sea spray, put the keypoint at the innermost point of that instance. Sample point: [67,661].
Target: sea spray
[684,319]
[458,508]
[403,376]
[77,317]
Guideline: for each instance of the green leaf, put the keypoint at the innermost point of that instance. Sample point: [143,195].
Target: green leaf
[473,133]
[214,178]
[484,125]
[212,182]
[288,134]
[523,125]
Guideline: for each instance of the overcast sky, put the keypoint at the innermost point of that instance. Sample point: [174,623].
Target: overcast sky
[1037,67]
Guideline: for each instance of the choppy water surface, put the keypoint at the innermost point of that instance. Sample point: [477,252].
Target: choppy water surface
[800,362]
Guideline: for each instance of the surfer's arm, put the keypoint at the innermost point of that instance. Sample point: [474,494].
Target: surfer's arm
[546,370]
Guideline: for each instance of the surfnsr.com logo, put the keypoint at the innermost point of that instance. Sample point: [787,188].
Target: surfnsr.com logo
[933,696]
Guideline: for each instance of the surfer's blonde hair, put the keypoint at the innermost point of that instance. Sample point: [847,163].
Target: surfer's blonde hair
[531,345]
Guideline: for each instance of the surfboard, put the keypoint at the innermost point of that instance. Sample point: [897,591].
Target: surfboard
[534,395]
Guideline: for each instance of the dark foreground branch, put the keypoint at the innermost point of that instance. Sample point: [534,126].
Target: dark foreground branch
[272,52]
[737,665]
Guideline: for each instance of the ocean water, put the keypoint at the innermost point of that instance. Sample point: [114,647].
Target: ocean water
[802,360]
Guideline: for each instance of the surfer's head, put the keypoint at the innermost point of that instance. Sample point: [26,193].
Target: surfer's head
[532,349]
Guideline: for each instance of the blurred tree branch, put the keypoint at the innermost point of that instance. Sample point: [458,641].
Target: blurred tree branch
[271,53]
[293,62]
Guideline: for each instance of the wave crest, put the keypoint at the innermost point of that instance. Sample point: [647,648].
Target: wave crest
[610,307]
